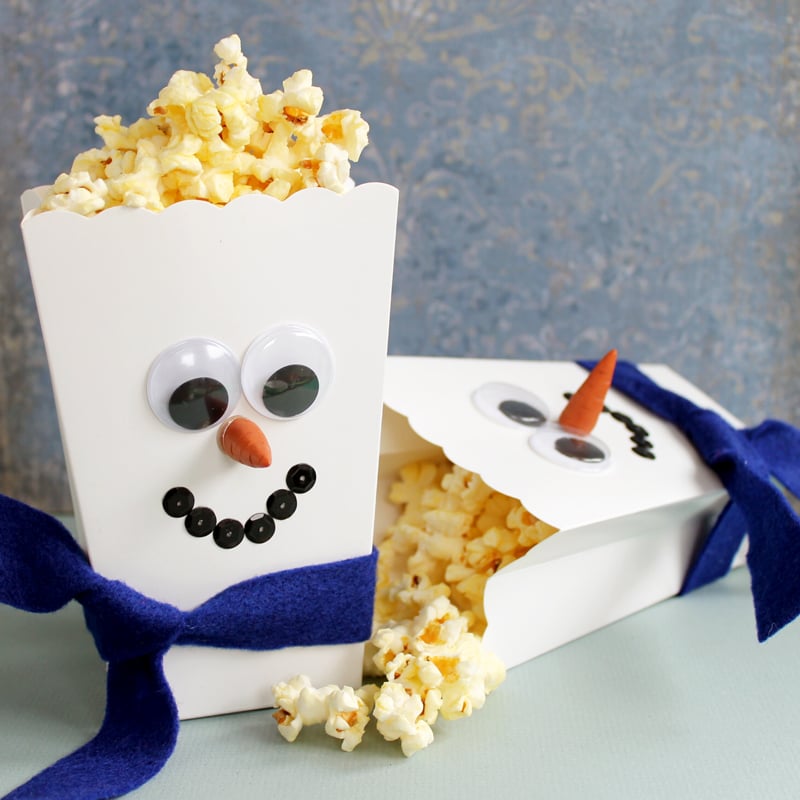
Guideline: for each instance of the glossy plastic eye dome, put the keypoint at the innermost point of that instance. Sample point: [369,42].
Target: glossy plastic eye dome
[287,370]
[510,405]
[571,450]
[193,384]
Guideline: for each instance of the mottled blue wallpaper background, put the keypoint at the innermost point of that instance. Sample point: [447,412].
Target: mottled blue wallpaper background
[573,175]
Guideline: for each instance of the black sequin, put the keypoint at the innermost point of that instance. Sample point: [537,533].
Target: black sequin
[259,528]
[281,504]
[178,501]
[200,521]
[620,417]
[644,451]
[638,431]
[300,478]
[640,436]
[228,533]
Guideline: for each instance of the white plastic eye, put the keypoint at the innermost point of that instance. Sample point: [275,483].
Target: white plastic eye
[510,405]
[572,450]
[193,384]
[287,370]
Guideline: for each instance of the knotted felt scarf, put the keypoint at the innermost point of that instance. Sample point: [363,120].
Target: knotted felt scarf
[746,460]
[42,569]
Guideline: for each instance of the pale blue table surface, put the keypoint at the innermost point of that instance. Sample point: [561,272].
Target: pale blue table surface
[678,701]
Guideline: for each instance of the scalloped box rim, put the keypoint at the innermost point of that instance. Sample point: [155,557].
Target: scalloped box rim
[31,199]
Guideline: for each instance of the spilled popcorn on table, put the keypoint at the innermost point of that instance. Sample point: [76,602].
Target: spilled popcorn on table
[426,654]
[215,140]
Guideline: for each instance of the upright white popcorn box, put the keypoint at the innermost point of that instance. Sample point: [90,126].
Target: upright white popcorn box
[631,504]
[161,328]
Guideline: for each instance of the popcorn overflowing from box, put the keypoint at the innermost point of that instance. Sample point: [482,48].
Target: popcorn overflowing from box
[469,449]
[631,500]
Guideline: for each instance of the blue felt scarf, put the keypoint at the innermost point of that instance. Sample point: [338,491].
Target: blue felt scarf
[42,569]
[750,462]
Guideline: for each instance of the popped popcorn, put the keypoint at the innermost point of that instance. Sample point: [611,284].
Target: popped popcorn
[299,704]
[349,714]
[426,653]
[437,660]
[215,140]
[344,711]
[452,535]
[400,716]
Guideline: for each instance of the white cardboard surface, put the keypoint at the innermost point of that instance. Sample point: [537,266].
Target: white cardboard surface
[626,534]
[115,290]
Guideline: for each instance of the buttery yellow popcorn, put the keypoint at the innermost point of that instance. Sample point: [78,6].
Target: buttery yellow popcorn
[299,704]
[215,140]
[431,666]
[437,652]
[453,533]
[349,714]
[345,712]
[301,99]
[409,491]
[401,716]
[79,192]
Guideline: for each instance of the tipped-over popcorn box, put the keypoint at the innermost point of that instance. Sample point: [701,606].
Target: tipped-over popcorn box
[631,501]
[190,347]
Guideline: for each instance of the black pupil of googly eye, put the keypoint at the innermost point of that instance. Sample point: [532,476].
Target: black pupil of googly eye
[522,412]
[290,390]
[259,528]
[300,478]
[281,504]
[198,403]
[579,449]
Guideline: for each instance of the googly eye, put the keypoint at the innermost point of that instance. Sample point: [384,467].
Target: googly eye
[510,405]
[286,371]
[574,451]
[193,384]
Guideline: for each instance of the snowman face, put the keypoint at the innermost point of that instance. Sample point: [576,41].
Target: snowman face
[219,382]
[194,385]
[517,407]
[201,513]
[499,419]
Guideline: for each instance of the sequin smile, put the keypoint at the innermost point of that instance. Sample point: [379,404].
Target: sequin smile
[201,521]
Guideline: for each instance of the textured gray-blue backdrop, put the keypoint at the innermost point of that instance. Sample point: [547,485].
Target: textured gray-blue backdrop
[574,176]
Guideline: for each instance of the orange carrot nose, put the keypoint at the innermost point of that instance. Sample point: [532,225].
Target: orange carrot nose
[586,405]
[245,442]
